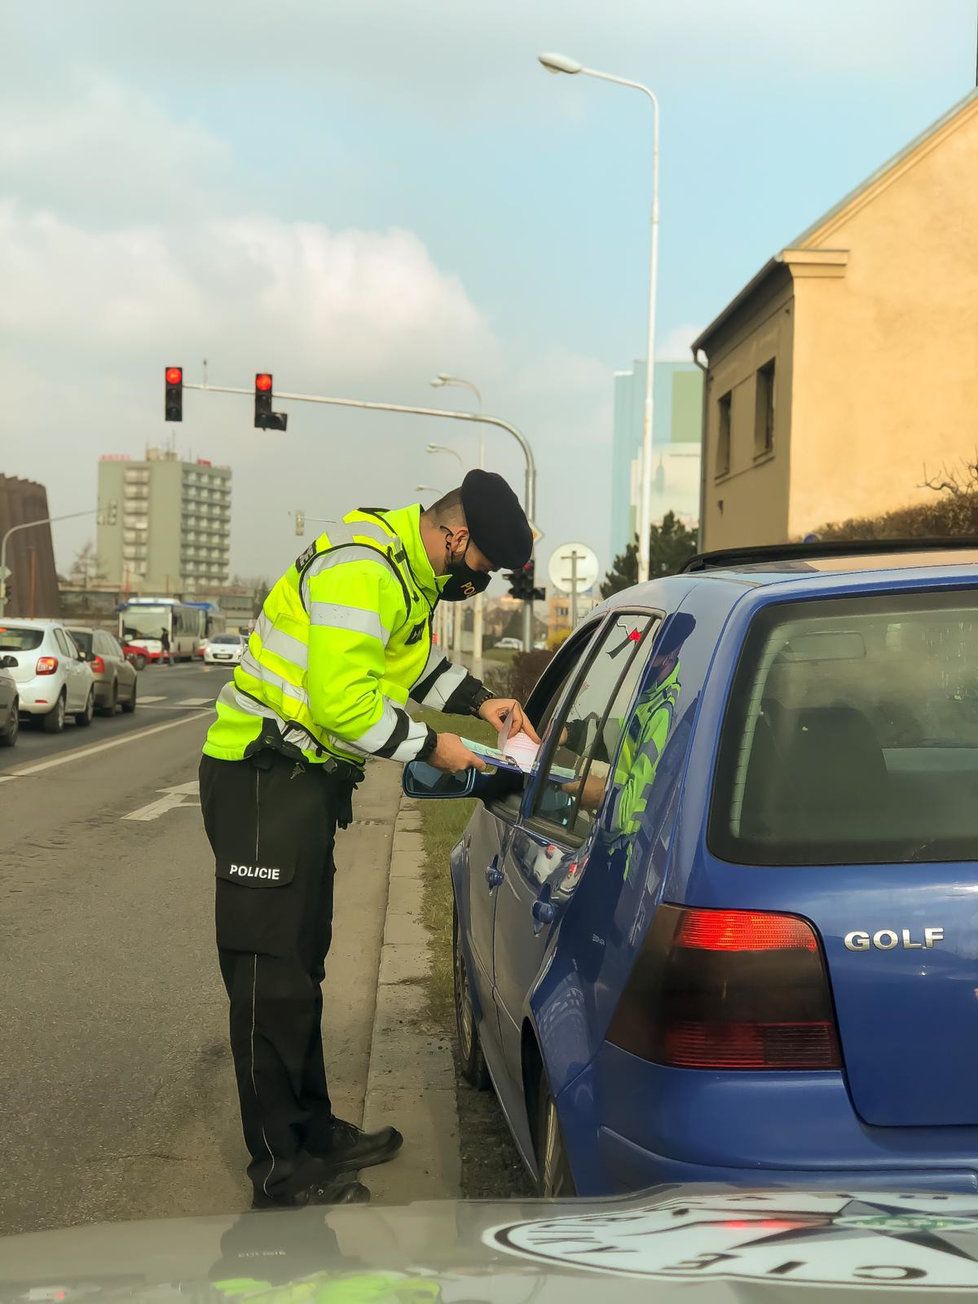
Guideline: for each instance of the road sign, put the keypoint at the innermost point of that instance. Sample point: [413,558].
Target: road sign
[573,568]
[535,532]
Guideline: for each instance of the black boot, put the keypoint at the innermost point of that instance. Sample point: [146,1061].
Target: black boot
[349,1149]
[325,1190]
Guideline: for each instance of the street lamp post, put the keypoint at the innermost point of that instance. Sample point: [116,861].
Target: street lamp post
[28,525]
[457,615]
[452,452]
[557,63]
[479,605]
[442,616]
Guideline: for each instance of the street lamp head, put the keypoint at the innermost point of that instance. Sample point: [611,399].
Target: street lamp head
[441,379]
[560,63]
[433,448]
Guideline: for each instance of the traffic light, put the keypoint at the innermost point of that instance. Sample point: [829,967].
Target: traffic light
[265,418]
[300,523]
[173,405]
[532,594]
[521,584]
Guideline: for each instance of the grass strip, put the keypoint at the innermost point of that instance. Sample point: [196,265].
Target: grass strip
[491,1167]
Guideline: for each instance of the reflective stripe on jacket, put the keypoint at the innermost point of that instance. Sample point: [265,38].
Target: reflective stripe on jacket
[342,642]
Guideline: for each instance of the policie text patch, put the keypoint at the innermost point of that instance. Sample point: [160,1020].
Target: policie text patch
[255,875]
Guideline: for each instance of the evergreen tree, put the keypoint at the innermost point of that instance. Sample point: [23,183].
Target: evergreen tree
[671,544]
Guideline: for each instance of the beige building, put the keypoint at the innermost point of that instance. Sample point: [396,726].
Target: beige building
[847,369]
[165,524]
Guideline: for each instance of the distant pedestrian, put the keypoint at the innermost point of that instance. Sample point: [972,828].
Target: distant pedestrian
[164,646]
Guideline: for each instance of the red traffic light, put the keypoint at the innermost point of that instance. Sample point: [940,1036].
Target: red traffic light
[174,375]
[263,381]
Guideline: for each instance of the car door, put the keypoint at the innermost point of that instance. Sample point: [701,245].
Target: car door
[550,841]
[76,678]
[489,832]
[124,672]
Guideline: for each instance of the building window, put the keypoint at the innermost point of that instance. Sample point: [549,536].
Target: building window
[723,433]
[764,411]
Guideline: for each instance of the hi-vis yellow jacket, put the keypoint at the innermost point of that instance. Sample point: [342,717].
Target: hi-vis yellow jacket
[342,642]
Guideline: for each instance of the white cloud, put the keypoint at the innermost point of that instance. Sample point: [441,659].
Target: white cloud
[241,287]
[95,149]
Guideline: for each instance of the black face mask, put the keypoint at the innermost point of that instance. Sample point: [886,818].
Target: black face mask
[461,581]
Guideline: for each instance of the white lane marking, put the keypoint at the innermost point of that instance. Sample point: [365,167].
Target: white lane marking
[173,706]
[196,701]
[171,799]
[79,753]
[145,701]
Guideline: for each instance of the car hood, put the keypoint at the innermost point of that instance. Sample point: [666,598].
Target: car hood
[704,1243]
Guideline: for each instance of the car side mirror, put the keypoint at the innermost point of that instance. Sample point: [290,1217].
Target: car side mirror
[422,780]
[8,663]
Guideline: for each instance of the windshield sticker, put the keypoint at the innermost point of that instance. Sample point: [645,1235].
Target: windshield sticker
[866,1239]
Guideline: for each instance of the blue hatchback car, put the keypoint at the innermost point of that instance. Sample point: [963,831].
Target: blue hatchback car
[727,929]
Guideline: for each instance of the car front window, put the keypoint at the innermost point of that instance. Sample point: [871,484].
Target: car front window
[581,761]
[851,735]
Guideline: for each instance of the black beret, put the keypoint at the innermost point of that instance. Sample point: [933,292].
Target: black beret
[496,521]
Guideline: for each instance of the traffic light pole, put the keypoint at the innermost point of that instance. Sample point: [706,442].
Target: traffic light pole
[27,525]
[530,477]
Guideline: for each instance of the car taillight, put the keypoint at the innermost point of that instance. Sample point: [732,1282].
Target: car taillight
[98,666]
[728,989]
[46,666]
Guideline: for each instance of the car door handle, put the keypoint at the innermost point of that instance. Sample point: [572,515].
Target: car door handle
[494,875]
[544,912]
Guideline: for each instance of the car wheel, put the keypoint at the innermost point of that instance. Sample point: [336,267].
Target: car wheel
[113,702]
[555,1180]
[139,663]
[130,706]
[471,1059]
[84,718]
[54,721]
[9,735]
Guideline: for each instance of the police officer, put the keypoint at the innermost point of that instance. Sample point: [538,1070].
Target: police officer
[342,642]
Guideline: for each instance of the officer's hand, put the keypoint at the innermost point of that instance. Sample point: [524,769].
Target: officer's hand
[451,754]
[497,710]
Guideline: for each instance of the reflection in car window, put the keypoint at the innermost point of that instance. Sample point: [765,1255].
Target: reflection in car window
[13,639]
[590,728]
[851,736]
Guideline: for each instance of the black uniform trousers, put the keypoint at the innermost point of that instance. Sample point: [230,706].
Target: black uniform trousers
[271,824]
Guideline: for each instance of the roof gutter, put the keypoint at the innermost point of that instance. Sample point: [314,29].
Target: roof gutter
[704,368]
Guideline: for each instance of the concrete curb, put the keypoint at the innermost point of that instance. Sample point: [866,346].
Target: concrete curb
[411,1079]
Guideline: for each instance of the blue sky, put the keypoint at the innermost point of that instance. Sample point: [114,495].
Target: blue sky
[358,195]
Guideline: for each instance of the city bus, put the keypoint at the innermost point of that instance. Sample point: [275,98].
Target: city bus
[142,622]
[214,622]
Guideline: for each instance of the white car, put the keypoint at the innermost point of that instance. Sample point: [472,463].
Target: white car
[51,676]
[224,650]
[513,643]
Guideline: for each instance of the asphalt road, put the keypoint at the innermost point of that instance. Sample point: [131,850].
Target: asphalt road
[113,1015]
[117,1097]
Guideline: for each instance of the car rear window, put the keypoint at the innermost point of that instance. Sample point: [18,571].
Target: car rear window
[851,734]
[14,639]
[226,638]
[83,640]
